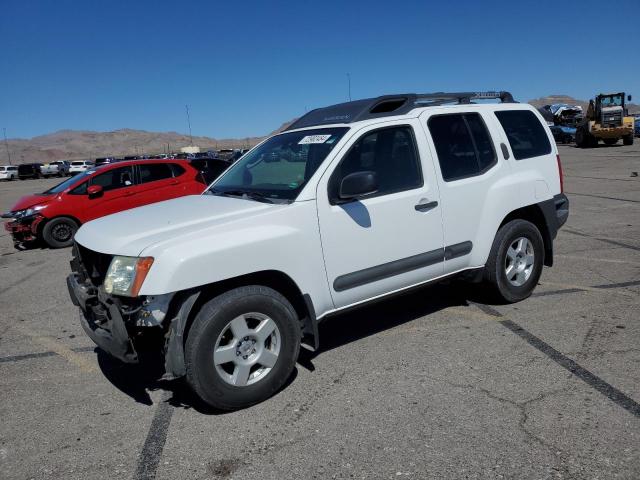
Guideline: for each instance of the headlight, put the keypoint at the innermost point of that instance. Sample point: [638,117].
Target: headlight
[126,274]
[28,211]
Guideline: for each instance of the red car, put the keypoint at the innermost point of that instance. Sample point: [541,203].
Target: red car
[56,214]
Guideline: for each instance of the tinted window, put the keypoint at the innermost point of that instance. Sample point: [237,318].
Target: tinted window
[463,145]
[151,172]
[526,134]
[114,178]
[177,169]
[391,153]
[80,189]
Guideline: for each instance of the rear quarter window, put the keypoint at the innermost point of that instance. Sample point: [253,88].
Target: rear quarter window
[525,133]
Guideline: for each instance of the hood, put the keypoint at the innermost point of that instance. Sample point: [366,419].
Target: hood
[32,200]
[131,231]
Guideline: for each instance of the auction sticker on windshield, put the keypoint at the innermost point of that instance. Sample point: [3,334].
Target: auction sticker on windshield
[313,139]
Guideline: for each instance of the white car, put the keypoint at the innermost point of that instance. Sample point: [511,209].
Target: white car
[80,166]
[58,168]
[8,172]
[351,203]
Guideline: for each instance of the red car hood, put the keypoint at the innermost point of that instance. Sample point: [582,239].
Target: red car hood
[31,200]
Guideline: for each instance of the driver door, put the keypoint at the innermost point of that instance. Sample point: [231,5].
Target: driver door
[393,238]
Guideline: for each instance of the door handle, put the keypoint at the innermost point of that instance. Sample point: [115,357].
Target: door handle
[425,207]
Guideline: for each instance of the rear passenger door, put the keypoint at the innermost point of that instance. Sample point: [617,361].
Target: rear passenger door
[157,183]
[469,165]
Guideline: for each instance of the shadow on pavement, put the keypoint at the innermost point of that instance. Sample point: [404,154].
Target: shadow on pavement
[137,380]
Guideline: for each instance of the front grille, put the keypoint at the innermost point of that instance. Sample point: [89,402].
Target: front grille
[611,119]
[93,265]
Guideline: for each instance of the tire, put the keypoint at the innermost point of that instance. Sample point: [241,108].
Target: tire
[610,141]
[59,232]
[222,385]
[628,140]
[504,249]
[582,138]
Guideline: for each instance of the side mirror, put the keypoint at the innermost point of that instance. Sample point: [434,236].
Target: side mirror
[95,191]
[358,184]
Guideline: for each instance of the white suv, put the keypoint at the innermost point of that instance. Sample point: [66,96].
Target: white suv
[80,166]
[8,172]
[351,203]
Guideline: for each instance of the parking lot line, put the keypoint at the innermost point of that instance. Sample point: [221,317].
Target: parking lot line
[59,348]
[154,443]
[595,382]
[593,259]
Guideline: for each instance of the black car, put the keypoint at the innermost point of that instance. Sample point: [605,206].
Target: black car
[29,170]
[210,168]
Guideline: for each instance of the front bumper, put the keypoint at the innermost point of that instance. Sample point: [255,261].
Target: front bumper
[102,320]
[24,229]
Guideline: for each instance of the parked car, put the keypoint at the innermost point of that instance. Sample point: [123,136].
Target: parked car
[104,160]
[396,192]
[636,125]
[29,170]
[80,166]
[8,172]
[55,215]
[59,168]
[210,168]
[563,133]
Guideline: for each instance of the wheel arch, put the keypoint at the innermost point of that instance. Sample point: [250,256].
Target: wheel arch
[535,214]
[185,305]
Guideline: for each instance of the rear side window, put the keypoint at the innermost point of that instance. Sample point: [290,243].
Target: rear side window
[177,169]
[152,172]
[526,134]
[463,145]
[391,153]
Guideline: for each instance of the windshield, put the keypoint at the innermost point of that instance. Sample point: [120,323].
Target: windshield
[280,167]
[61,187]
[612,101]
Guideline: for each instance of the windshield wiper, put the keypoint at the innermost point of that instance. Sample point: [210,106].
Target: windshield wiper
[257,196]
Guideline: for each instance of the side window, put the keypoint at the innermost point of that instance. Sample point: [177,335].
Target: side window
[80,189]
[391,153]
[463,145]
[152,172]
[115,178]
[176,169]
[526,134]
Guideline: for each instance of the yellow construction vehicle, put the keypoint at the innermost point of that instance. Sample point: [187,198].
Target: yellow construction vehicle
[607,119]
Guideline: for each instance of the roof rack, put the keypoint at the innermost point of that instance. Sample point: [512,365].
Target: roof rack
[387,105]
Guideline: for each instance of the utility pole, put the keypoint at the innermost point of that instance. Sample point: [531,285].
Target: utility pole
[6,144]
[349,82]
[189,122]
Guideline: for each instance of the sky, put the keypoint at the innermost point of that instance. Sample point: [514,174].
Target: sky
[245,67]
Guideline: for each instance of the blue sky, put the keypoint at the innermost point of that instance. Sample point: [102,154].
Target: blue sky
[246,67]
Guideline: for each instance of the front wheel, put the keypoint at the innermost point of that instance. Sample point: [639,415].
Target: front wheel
[628,140]
[515,261]
[59,232]
[242,347]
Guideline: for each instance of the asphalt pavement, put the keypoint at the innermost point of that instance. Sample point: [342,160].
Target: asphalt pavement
[432,384]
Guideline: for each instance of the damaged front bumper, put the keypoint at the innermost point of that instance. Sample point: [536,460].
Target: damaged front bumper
[24,229]
[102,320]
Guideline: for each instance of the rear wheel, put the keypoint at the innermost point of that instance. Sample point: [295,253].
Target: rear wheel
[59,232]
[242,347]
[515,262]
[628,140]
